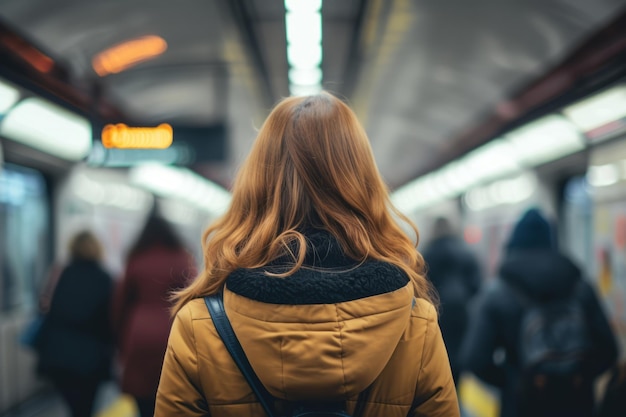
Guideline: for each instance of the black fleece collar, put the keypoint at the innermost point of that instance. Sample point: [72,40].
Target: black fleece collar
[328,277]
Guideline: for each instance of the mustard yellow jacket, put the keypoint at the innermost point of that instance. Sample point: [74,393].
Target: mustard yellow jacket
[316,334]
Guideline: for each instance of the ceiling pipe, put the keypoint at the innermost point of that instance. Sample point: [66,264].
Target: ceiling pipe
[29,66]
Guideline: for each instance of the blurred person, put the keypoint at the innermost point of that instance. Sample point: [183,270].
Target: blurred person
[613,403]
[454,271]
[75,345]
[157,264]
[535,278]
[323,289]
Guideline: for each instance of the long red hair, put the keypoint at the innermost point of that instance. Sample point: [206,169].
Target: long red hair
[311,164]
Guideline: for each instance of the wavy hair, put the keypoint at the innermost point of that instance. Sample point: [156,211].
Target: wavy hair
[311,165]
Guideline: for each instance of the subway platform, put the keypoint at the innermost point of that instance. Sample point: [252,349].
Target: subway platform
[110,403]
[477,401]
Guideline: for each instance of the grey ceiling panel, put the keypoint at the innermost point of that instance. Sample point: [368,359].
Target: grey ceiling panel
[418,73]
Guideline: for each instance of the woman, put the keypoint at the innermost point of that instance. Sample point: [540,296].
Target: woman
[75,346]
[323,289]
[157,264]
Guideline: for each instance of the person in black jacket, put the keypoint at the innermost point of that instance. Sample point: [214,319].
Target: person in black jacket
[75,346]
[533,266]
[455,273]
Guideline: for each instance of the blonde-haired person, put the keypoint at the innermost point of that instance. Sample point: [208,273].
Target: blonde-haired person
[75,346]
[324,290]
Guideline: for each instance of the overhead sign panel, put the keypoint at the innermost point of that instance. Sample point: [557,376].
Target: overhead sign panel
[124,137]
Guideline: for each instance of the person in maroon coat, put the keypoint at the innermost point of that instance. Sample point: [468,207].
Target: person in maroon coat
[157,264]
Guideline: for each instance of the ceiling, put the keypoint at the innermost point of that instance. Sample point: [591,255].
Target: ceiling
[418,73]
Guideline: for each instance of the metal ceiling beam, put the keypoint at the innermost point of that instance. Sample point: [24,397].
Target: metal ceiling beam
[354,61]
[239,10]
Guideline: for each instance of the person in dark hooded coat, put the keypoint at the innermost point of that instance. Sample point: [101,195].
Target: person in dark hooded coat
[534,267]
[75,346]
[455,272]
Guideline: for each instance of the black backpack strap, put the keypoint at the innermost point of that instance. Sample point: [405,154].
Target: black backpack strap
[360,402]
[215,304]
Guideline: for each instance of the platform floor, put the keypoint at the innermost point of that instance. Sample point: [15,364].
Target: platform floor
[477,401]
[110,403]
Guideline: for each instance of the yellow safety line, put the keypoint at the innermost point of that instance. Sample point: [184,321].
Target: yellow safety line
[124,406]
[477,399]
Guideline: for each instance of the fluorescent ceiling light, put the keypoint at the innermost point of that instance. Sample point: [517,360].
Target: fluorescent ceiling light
[182,184]
[307,57]
[598,110]
[456,175]
[507,191]
[549,138]
[304,29]
[303,5]
[305,76]
[110,194]
[305,90]
[49,128]
[603,175]
[419,193]
[9,95]
[441,185]
[495,159]
[177,211]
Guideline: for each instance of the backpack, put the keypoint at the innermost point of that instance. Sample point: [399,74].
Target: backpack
[554,344]
[215,304]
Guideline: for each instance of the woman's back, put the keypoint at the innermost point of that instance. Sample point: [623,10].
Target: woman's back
[325,290]
[324,333]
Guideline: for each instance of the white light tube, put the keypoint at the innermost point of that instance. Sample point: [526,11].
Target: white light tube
[49,128]
[492,160]
[549,138]
[110,194]
[457,175]
[507,191]
[303,5]
[307,57]
[305,76]
[9,95]
[178,212]
[603,175]
[303,29]
[598,110]
[419,193]
[304,90]
[181,184]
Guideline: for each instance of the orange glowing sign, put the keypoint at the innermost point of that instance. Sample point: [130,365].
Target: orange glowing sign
[122,136]
[127,54]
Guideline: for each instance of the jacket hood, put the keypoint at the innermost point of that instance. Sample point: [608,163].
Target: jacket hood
[541,273]
[326,331]
[532,231]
